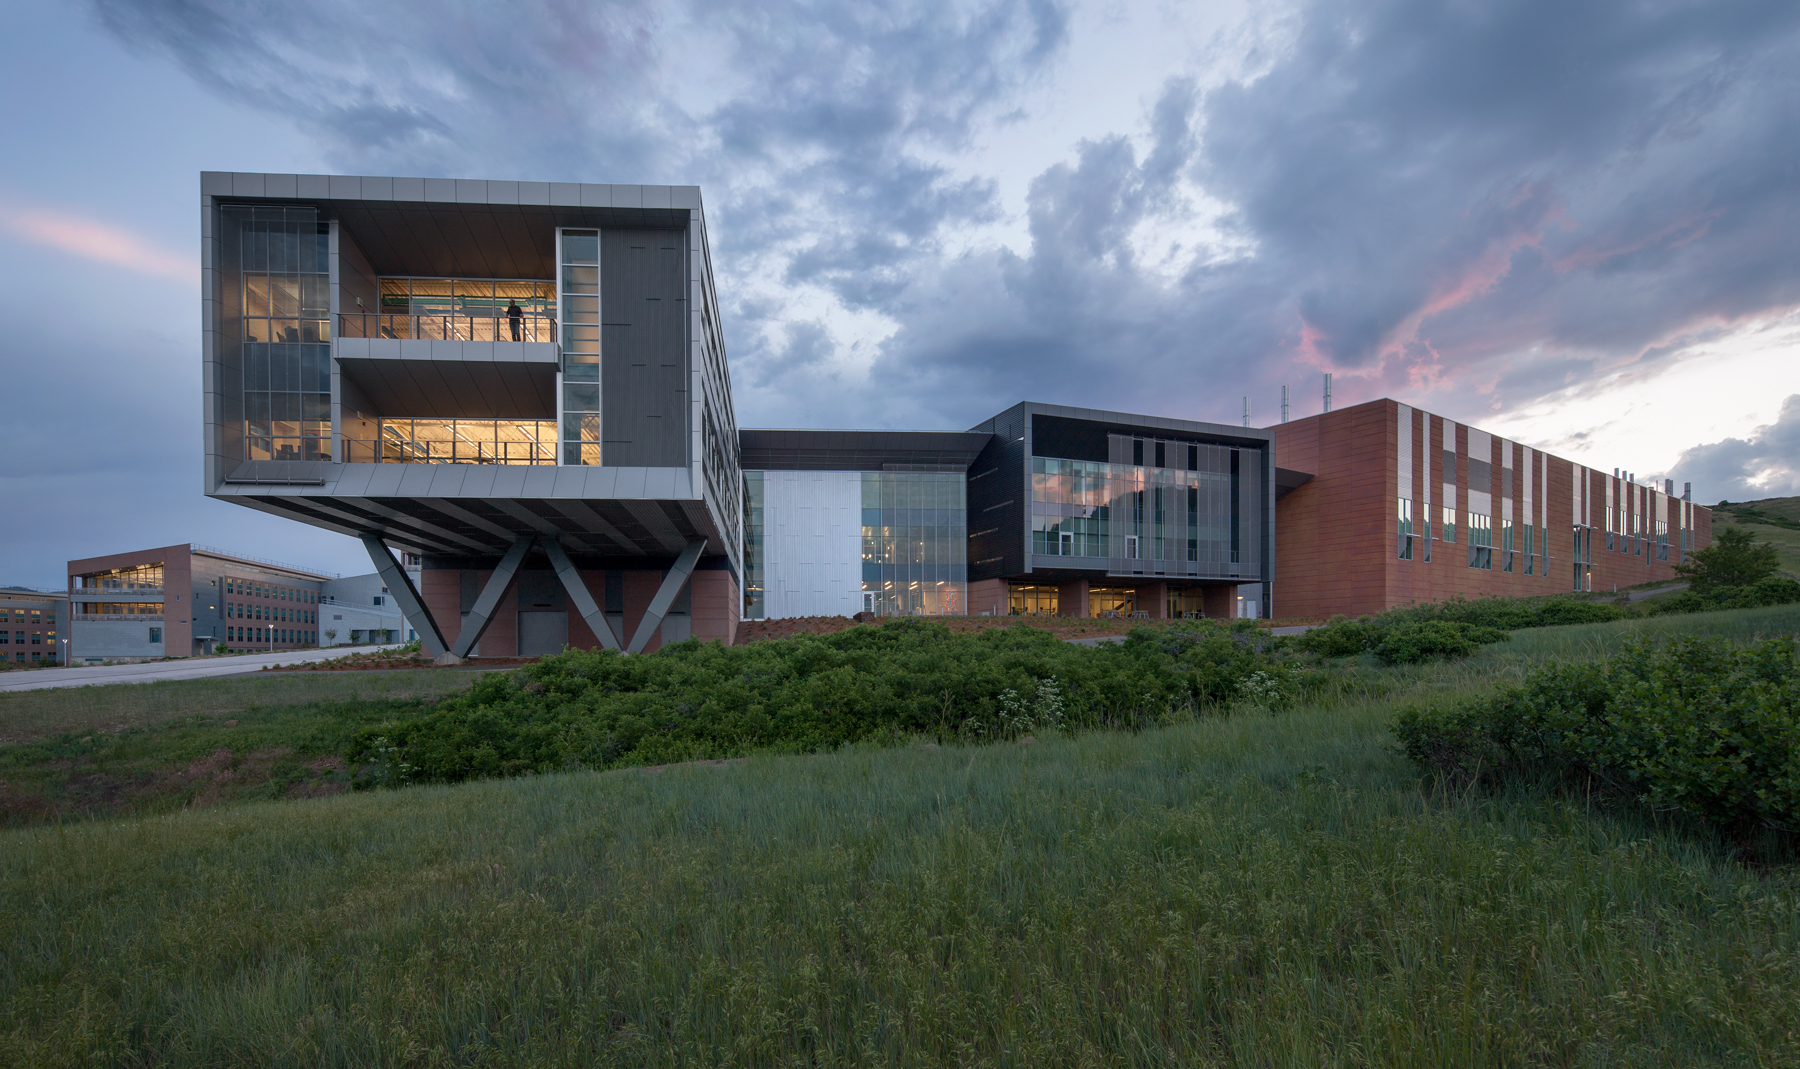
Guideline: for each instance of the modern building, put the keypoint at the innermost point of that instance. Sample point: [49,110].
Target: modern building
[524,383]
[183,600]
[186,600]
[1406,506]
[34,626]
[524,387]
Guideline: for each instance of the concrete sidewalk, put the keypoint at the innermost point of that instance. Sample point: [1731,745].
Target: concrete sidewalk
[157,671]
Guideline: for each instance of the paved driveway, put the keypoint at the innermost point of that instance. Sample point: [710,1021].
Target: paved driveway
[156,671]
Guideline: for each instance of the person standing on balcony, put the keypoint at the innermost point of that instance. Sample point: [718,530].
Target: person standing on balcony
[514,317]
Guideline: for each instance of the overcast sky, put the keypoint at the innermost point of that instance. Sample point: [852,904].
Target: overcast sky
[1571,224]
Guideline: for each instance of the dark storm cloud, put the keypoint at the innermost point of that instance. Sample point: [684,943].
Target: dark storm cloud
[1765,464]
[1470,205]
[1502,198]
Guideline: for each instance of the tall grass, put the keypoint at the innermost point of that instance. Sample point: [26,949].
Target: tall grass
[1260,890]
[32,713]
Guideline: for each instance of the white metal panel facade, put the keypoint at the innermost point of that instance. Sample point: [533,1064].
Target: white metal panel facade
[812,543]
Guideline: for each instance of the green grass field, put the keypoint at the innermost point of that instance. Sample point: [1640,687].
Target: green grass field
[1262,890]
[1785,539]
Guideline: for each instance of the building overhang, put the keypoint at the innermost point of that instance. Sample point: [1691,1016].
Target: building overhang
[452,379]
[839,450]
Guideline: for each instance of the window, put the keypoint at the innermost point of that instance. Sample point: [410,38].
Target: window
[1506,545]
[1481,541]
[1159,455]
[155,635]
[1403,519]
[1449,532]
[1530,561]
[1137,452]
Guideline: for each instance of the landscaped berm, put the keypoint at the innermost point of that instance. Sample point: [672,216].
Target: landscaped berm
[1465,835]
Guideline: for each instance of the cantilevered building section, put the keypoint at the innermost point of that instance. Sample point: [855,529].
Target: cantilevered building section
[522,382]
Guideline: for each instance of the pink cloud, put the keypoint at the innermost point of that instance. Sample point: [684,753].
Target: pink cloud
[97,241]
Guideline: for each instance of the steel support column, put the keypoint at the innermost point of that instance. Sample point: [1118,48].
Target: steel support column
[394,577]
[483,612]
[580,595]
[665,595]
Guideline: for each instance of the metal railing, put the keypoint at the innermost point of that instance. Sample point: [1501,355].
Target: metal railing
[131,617]
[447,327]
[105,593]
[391,450]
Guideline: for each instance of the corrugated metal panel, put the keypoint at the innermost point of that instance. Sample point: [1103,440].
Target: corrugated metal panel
[812,543]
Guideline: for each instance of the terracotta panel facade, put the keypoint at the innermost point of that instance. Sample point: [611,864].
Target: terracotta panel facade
[1341,545]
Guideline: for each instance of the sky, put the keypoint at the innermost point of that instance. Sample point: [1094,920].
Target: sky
[1571,225]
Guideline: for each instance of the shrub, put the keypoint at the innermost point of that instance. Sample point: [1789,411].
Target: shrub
[1733,560]
[1411,643]
[693,700]
[1699,727]
[1772,590]
[1341,637]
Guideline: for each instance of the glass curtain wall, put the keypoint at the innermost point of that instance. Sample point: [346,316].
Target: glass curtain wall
[459,309]
[754,606]
[580,304]
[459,441]
[915,543]
[275,327]
[1189,519]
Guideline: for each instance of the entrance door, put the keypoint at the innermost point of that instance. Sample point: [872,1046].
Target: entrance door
[542,634]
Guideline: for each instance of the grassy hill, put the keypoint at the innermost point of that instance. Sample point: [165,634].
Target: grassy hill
[1775,520]
[1271,889]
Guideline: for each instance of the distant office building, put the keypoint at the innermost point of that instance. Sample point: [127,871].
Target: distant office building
[1406,506]
[33,624]
[184,600]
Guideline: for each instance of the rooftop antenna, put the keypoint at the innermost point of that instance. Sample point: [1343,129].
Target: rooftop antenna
[1328,391]
[1246,412]
[1284,404]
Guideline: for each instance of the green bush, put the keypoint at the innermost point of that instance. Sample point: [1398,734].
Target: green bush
[696,700]
[1411,643]
[1511,614]
[1341,637]
[1772,590]
[1699,726]
[1733,560]
[1399,637]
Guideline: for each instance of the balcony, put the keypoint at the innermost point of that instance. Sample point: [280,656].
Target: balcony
[447,327]
[456,441]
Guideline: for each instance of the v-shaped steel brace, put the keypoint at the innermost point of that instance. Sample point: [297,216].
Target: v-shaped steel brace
[483,612]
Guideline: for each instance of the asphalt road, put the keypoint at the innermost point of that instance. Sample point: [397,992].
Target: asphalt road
[157,671]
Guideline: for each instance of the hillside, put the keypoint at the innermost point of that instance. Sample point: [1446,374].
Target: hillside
[1253,890]
[1775,520]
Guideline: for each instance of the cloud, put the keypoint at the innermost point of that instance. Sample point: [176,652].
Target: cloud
[1474,206]
[1765,464]
[94,240]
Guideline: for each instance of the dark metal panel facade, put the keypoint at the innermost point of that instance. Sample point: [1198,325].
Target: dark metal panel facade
[643,348]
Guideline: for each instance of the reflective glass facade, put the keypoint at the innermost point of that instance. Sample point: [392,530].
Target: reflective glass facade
[753,545]
[580,303]
[457,441]
[1131,512]
[275,306]
[915,546]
